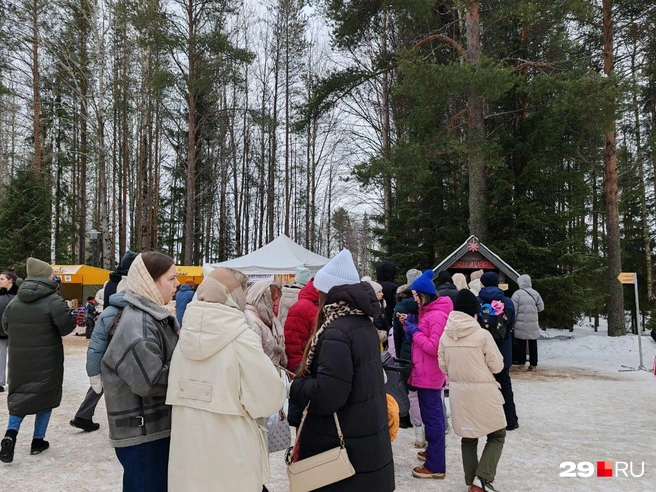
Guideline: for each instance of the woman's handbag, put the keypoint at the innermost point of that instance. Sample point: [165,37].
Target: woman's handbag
[321,469]
[279,435]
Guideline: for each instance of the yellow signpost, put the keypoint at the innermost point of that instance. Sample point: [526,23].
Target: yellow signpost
[632,278]
[626,277]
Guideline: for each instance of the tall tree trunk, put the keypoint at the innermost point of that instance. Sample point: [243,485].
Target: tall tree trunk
[613,246]
[476,159]
[84,123]
[288,184]
[386,133]
[641,175]
[36,97]
[273,147]
[190,212]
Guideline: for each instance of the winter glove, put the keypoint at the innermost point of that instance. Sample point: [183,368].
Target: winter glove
[410,328]
[96,383]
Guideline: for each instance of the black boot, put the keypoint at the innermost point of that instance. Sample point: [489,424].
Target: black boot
[7,446]
[86,425]
[38,445]
[404,422]
[481,485]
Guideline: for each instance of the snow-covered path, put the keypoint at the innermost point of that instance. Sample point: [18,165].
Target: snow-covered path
[576,407]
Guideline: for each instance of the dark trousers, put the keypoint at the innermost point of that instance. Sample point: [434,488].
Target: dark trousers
[503,378]
[88,406]
[145,466]
[486,467]
[432,414]
[520,349]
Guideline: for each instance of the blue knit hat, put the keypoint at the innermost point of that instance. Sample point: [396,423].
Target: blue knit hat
[425,283]
[490,279]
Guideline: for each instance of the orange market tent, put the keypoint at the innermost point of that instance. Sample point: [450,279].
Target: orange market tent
[193,273]
[80,281]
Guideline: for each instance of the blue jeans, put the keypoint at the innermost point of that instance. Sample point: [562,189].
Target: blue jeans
[40,423]
[432,414]
[145,466]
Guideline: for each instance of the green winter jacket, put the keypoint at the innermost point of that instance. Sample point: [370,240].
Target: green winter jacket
[35,321]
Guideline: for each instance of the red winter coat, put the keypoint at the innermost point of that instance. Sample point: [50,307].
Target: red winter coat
[299,324]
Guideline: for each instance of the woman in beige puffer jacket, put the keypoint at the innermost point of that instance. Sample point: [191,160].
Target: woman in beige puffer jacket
[260,316]
[469,356]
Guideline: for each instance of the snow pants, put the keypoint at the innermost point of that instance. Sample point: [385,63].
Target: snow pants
[486,467]
[520,348]
[432,414]
[88,406]
[503,378]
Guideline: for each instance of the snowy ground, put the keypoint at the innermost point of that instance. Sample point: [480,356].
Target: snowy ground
[577,407]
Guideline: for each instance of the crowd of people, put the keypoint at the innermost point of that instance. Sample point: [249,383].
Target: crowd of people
[239,364]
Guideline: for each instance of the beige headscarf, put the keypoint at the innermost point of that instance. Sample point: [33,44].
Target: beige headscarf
[222,287]
[141,284]
[259,296]
[476,275]
[460,281]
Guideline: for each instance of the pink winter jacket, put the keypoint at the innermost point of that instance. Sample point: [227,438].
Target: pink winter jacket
[426,371]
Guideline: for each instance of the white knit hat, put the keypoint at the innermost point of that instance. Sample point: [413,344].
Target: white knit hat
[375,285]
[338,271]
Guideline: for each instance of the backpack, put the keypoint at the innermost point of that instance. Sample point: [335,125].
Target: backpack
[112,326]
[493,318]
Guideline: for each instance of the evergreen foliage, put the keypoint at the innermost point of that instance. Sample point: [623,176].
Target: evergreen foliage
[546,105]
[24,219]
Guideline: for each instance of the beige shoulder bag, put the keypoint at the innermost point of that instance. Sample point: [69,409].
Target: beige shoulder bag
[321,469]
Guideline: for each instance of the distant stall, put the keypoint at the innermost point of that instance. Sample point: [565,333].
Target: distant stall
[474,255]
[185,273]
[80,281]
[276,261]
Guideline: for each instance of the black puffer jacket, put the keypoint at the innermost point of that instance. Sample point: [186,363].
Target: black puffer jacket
[116,276]
[385,273]
[35,321]
[346,376]
[111,285]
[448,290]
[5,298]
[402,345]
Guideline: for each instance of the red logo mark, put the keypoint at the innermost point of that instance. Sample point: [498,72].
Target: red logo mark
[605,469]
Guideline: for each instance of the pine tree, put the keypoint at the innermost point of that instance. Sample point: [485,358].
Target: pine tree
[24,219]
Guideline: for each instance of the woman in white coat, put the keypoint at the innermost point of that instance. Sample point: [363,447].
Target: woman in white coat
[221,386]
[470,357]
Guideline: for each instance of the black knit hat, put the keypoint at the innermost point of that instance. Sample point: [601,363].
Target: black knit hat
[444,277]
[490,279]
[127,260]
[467,303]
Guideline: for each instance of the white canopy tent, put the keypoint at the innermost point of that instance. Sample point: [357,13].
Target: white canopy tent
[280,257]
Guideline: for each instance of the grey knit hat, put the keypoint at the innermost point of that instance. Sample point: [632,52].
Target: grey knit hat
[38,268]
